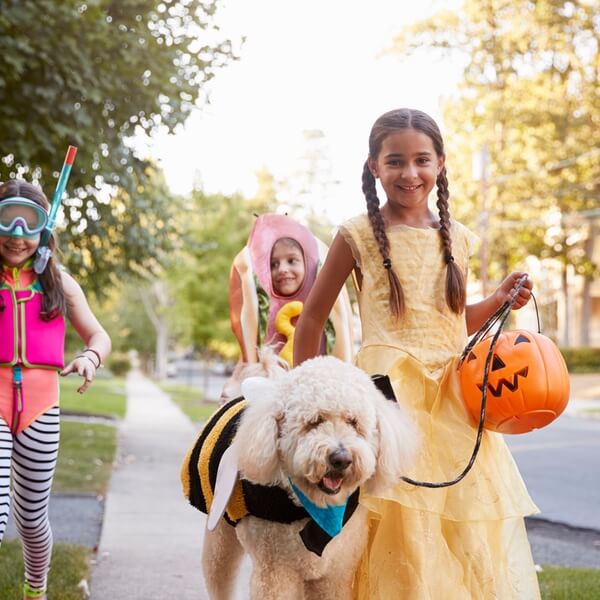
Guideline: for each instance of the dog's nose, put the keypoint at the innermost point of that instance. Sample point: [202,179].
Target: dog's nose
[340,459]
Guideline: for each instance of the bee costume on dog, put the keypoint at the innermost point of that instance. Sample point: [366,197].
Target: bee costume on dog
[199,475]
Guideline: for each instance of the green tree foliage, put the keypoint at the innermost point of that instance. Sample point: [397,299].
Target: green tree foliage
[94,74]
[134,237]
[217,228]
[529,94]
[123,316]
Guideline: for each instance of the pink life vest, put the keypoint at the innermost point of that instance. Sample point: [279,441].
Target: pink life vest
[24,337]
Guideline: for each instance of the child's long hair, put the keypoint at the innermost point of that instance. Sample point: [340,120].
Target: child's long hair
[54,301]
[385,125]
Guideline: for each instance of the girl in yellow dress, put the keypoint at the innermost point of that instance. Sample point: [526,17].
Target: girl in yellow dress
[467,541]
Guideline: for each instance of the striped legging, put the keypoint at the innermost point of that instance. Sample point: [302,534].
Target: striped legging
[31,456]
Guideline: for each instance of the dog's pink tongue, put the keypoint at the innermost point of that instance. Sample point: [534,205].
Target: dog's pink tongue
[332,483]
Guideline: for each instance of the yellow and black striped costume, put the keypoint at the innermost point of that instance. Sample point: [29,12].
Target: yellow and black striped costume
[199,475]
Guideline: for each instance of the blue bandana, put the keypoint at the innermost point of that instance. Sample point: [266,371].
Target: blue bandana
[330,519]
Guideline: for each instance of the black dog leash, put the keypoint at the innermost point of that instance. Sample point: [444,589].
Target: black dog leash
[499,317]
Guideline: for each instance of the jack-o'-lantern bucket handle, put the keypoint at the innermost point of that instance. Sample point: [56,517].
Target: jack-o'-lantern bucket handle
[499,317]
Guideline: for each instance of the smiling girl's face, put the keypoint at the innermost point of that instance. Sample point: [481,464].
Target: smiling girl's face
[287,267]
[407,166]
[14,251]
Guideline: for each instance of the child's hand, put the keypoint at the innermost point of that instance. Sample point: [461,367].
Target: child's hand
[84,366]
[507,288]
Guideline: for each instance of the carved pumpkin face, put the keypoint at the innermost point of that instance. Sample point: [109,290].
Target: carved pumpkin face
[528,383]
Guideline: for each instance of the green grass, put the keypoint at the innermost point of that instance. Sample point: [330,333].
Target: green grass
[189,399]
[70,565]
[561,583]
[85,458]
[104,397]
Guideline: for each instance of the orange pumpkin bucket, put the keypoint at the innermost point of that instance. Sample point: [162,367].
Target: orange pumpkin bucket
[516,381]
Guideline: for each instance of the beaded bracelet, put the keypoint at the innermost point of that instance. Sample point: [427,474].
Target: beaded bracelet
[97,355]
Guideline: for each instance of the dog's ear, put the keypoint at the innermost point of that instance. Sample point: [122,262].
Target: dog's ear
[398,443]
[258,432]
[257,388]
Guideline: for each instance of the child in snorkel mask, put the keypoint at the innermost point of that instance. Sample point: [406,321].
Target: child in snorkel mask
[32,330]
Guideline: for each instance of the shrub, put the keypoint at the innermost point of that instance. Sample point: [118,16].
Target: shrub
[119,364]
[582,360]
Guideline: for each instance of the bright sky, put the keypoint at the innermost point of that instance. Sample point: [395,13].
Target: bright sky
[311,65]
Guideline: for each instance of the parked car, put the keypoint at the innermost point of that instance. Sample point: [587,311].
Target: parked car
[171,369]
[221,367]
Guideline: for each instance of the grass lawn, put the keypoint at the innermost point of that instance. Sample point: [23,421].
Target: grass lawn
[190,401]
[85,458]
[559,583]
[87,450]
[103,397]
[70,565]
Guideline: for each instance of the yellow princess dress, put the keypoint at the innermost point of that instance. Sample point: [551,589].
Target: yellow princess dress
[467,541]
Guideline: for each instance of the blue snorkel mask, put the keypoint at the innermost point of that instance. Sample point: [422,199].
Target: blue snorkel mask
[22,218]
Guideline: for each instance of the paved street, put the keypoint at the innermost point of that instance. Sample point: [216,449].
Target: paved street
[560,465]
[556,544]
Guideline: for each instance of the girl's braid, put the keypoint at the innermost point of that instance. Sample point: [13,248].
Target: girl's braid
[442,204]
[378,227]
[455,280]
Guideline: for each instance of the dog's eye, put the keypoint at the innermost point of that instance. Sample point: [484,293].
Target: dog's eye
[353,422]
[314,422]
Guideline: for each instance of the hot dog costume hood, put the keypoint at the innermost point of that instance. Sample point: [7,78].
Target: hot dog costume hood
[259,315]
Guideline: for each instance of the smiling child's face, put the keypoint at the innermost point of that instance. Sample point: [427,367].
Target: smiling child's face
[14,251]
[287,267]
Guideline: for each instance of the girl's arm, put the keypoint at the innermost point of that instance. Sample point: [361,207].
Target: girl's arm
[90,331]
[309,328]
[477,314]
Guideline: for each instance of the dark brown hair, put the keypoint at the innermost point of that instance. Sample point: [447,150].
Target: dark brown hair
[385,125]
[290,243]
[54,300]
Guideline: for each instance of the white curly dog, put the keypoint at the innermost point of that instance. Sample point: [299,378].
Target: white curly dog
[321,430]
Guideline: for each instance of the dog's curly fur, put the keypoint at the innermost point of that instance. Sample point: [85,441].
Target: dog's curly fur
[269,365]
[325,426]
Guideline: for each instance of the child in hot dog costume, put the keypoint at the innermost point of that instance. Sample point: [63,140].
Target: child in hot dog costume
[268,287]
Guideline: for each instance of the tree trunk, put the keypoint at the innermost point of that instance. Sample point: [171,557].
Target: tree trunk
[586,300]
[157,314]
[566,308]
[162,348]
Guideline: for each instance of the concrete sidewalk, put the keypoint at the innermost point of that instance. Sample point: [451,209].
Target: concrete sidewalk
[585,395]
[151,539]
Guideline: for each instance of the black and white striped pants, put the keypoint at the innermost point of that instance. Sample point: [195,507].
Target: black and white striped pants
[31,457]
